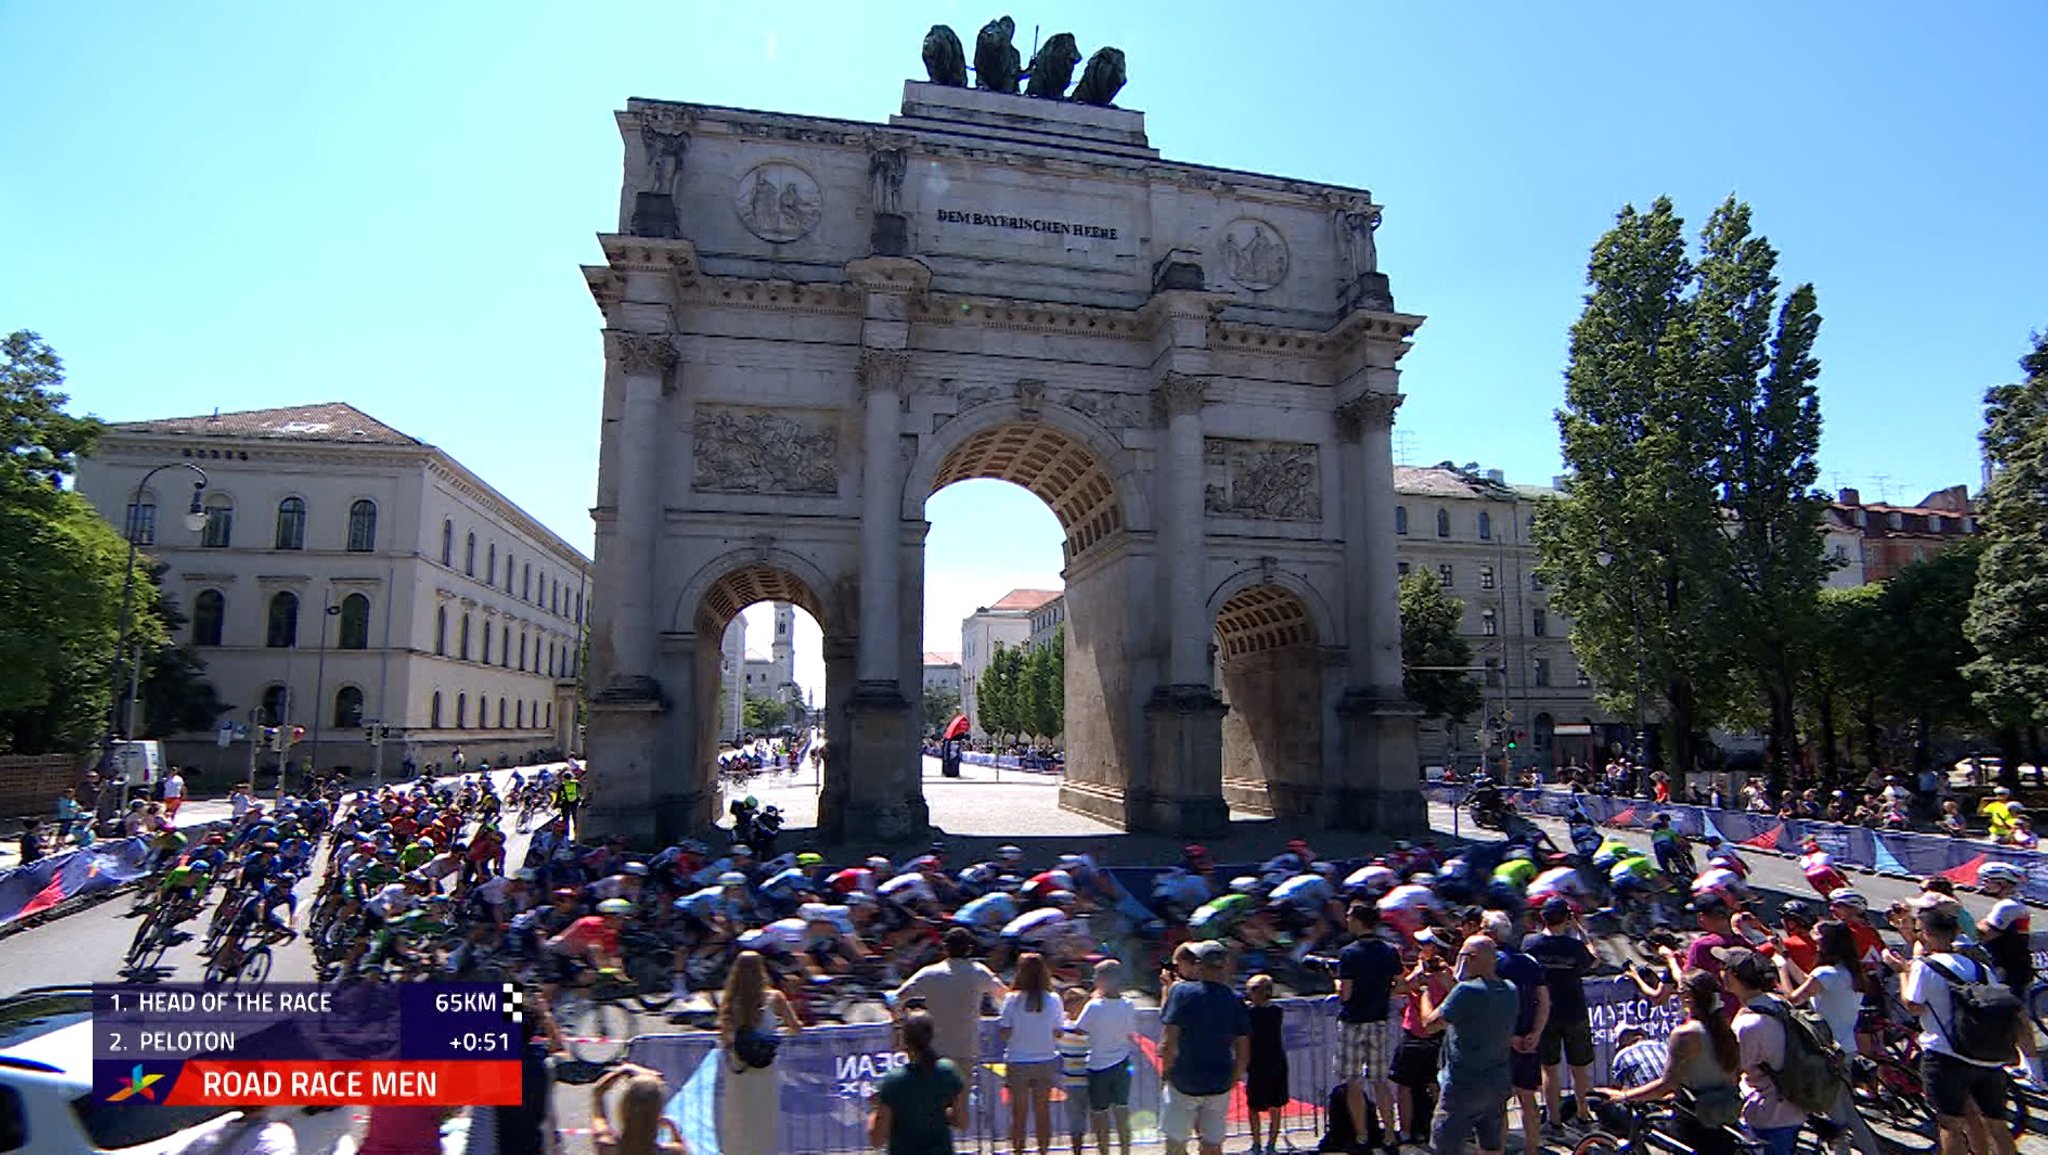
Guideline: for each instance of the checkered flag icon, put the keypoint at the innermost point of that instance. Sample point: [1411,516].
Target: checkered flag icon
[513,1003]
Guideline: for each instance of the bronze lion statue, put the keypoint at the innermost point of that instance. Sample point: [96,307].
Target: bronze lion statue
[944,60]
[1052,67]
[996,62]
[1103,79]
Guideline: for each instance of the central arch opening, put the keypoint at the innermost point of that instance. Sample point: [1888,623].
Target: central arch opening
[759,682]
[1269,671]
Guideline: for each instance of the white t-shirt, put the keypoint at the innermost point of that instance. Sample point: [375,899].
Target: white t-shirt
[238,804]
[1109,1024]
[174,786]
[2007,914]
[1929,989]
[1837,1001]
[1031,1032]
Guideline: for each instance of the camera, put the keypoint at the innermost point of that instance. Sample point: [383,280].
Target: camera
[1319,964]
[1659,938]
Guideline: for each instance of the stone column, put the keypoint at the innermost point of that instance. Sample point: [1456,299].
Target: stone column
[646,360]
[1376,789]
[881,514]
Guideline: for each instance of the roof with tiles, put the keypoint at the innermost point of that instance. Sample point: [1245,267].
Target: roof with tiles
[940,658]
[330,421]
[1024,601]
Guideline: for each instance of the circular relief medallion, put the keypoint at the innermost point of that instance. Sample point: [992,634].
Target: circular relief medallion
[1253,254]
[778,202]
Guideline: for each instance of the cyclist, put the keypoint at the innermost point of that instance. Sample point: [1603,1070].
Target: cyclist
[184,890]
[1372,880]
[987,916]
[1563,882]
[2005,933]
[592,940]
[1849,906]
[1720,854]
[1819,868]
[1410,906]
[258,912]
[1674,853]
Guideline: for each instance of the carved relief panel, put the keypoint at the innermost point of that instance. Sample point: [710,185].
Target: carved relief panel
[1264,480]
[742,450]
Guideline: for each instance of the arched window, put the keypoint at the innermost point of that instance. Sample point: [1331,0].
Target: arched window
[487,644]
[1443,523]
[208,609]
[1485,526]
[441,631]
[275,701]
[362,527]
[469,556]
[505,647]
[522,649]
[491,564]
[355,623]
[465,641]
[1489,623]
[291,523]
[220,522]
[283,629]
[501,713]
[526,582]
[519,714]
[1401,519]
[348,708]
[551,715]
[508,571]
[448,543]
[461,711]
[434,712]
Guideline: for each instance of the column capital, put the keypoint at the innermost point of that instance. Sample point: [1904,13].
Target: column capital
[1367,411]
[883,370]
[641,354]
[1178,394]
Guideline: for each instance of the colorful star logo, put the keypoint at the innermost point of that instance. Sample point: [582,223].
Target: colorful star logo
[135,1084]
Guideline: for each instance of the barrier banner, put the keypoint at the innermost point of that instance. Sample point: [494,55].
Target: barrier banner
[31,889]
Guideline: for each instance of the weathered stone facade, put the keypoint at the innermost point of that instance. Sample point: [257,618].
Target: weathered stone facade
[821,322]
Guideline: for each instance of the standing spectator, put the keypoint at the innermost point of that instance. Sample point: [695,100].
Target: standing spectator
[1568,1034]
[751,1122]
[404,1130]
[1030,1021]
[1717,933]
[1368,970]
[1265,1076]
[1419,1053]
[1698,1065]
[916,1104]
[1760,1039]
[1203,1049]
[69,815]
[456,757]
[640,1123]
[174,795]
[953,990]
[1969,1096]
[2006,934]
[1480,1015]
[1834,984]
[569,800]
[31,839]
[1997,810]
[239,801]
[1532,1011]
[1073,1049]
[1110,1021]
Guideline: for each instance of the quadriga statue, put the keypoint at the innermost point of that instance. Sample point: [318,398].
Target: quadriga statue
[996,62]
[1052,67]
[1103,79]
[944,60]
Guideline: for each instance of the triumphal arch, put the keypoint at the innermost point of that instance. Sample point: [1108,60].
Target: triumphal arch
[811,325]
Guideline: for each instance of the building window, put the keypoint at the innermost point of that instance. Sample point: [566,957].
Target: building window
[463,649]
[447,543]
[355,623]
[1582,678]
[1536,583]
[522,650]
[526,582]
[508,571]
[141,527]
[462,711]
[1489,623]
[1485,526]
[220,523]
[1444,575]
[519,714]
[208,609]
[491,564]
[276,700]
[1539,622]
[434,711]
[469,561]
[1401,568]
[1493,671]
[501,713]
[1542,674]
[362,527]
[487,644]
[283,630]
[1443,523]
[1486,577]
[291,523]
[441,631]
[551,715]
[579,607]
[348,708]
[1401,519]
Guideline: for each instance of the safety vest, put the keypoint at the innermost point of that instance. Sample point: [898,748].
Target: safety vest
[572,790]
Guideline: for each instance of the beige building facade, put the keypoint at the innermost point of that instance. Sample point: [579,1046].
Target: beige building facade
[811,325]
[349,573]
[1006,623]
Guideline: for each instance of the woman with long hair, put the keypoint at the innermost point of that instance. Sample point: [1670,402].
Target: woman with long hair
[915,1104]
[1030,1023]
[1835,986]
[639,1123]
[751,1013]
[1700,1065]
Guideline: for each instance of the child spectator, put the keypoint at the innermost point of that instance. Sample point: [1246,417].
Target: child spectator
[1109,1021]
[1073,1049]
[1265,1076]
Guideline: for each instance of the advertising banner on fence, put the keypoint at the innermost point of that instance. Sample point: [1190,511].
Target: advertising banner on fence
[31,889]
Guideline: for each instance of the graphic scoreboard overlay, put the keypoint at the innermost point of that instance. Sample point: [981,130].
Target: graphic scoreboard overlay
[301,1044]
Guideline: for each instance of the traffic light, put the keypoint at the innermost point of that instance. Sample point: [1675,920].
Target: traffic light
[298,734]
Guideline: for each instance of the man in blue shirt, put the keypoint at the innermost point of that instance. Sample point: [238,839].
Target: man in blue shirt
[1480,1015]
[1205,1044]
[1532,993]
[1368,972]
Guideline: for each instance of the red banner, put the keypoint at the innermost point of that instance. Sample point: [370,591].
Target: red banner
[468,1083]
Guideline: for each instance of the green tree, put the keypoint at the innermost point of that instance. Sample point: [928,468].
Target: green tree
[760,713]
[1430,638]
[1631,544]
[1846,661]
[1000,694]
[1754,360]
[2008,620]
[1044,679]
[941,706]
[1925,608]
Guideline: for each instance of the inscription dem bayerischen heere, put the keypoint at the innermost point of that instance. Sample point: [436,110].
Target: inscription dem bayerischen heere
[1025,224]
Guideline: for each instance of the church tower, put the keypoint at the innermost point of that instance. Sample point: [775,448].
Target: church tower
[784,650]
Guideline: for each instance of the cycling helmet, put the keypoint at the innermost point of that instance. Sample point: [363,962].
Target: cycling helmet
[524,874]
[1800,911]
[1401,844]
[562,893]
[1060,879]
[815,912]
[807,858]
[878,864]
[270,847]
[636,869]
[1195,852]
[732,878]
[1009,853]
[615,906]
[1297,845]
[692,846]
[860,898]
[2004,872]
[1521,854]
[200,866]
[742,850]
[1849,898]
[1712,840]
[1061,898]
[1423,879]
[1243,884]
[1326,869]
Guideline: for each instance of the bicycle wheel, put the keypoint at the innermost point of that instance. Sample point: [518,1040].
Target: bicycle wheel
[255,968]
[144,935]
[2037,1006]
[599,1032]
[653,981]
[1598,1143]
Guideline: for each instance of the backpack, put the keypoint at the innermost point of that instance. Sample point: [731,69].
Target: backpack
[1815,1071]
[1338,1133]
[755,1048]
[1985,1017]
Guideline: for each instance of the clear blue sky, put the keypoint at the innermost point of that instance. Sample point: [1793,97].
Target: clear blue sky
[249,205]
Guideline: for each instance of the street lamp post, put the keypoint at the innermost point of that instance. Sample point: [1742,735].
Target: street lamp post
[327,610]
[121,715]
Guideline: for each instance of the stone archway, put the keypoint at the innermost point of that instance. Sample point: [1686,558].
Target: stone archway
[1269,672]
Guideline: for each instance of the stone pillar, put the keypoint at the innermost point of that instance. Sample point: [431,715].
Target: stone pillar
[1377,787]
[881,514]
[646,360]
[1184,718]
